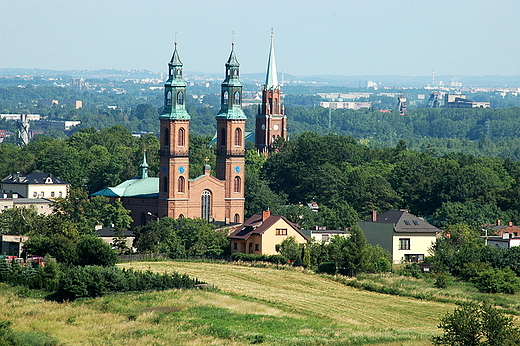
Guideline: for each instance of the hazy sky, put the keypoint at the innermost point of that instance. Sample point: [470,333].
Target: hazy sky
[362,37]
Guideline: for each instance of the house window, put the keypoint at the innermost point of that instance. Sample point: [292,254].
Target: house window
[205,205]
[414,258]
[165,184]
[281,231]
[257,247]
[223,136]
[415,222]
[237,184]
[52,193]
[43,194]
[180,185]
[166,141]
[407,222]
[60,194]
[181,137]
[238,137]
[237,218]
[404,243]
[235,246]
[35,194]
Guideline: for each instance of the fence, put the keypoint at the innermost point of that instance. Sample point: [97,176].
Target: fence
[153,256]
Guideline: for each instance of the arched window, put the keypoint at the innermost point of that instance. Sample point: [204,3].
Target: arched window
[225,96]
[275,109]
[180,185]
[236,98]
[237,186]
[181,137]
[166,137]
[205,212]
[180,98]
[237,218]
[238,137]
[223,136]
[165,184]
[273,139]
[169,98]
[181,216]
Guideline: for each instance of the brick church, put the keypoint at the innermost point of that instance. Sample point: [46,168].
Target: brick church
[217,198]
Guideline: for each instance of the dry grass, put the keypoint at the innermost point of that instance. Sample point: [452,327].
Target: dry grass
[306,295]
[250,305]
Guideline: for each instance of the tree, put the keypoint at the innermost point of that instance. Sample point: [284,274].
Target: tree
[473,325]
[291,250]
[92,250]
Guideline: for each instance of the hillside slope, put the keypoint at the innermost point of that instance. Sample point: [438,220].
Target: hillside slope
[314,309]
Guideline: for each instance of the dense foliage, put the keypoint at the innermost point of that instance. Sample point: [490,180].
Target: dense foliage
[180,238]
[72,282]
[474,325]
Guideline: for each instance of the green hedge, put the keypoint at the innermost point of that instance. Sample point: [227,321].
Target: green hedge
[245,257]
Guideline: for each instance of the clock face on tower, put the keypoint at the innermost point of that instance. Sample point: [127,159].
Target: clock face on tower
[275,127]
[181,169]
[237,169]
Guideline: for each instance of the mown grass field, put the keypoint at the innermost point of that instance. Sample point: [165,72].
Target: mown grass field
[250,305]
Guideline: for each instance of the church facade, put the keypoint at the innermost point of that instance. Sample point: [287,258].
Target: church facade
[217,198]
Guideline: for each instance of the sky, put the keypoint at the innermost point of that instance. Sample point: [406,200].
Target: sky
[326,37]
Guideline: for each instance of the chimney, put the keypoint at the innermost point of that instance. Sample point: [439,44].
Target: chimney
[498,222]
[374,215]
[266,214]
[510,223]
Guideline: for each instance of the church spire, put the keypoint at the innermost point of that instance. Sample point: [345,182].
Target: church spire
[143,167]
[271,80]
[175,90]
[231,90]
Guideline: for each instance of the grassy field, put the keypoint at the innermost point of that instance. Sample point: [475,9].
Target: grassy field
[250,305]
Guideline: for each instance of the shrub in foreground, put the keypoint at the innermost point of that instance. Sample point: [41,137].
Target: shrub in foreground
[246,257]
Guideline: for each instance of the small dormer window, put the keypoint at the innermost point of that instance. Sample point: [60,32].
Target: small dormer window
[48,180]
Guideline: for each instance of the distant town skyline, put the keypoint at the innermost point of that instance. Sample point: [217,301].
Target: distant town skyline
[330,37]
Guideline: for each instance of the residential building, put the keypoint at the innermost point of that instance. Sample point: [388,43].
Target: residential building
[34,185]
[322,234]
[12,245]
[262,233]
[406,236]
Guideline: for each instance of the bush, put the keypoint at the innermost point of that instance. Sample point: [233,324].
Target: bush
[245,257]
[94,281]
[327,267]
[442,280]
[477,325]
[497,281]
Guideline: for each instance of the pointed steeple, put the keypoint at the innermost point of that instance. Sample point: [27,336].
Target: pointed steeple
[175,90]
[143,167]
[231,90]
[271,80]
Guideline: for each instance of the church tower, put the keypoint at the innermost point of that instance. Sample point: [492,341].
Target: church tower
[174,150]
[271,121]
[230,147]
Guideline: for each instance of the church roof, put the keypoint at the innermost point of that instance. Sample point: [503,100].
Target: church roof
[271,80]
[135,187]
